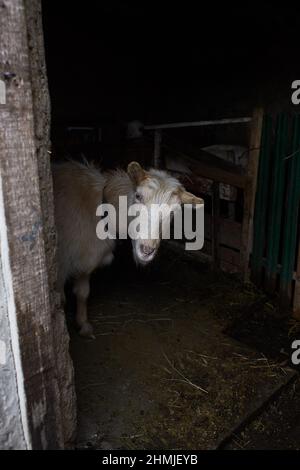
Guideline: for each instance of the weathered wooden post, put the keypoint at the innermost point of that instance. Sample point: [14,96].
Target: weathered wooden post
[215,227]
[250,190]
[37,403]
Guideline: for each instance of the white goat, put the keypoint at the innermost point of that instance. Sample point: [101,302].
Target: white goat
[78,191]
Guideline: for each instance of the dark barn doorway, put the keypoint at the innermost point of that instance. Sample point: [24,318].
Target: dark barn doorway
[173,364]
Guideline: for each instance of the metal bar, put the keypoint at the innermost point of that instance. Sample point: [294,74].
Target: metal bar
[291,216]
[198,123]
[276,202]
[260,215]
[80,128]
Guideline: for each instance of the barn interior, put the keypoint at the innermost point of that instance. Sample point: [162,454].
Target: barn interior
[186,354]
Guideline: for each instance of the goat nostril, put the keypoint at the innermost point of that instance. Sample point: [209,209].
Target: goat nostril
[147,250]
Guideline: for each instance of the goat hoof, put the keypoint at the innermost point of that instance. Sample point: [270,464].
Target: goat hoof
[87,331]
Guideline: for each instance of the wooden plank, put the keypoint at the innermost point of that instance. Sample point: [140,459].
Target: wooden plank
[291,217]
[196,184]
[219,175]
[260,214]
[209,166]
[24,228]
[250,190]
[226,255]
[229,256]
[276,202]
[230,232]
[41,113]
[215,226]
[229,259]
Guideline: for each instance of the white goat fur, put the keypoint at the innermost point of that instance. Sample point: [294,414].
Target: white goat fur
[78,191]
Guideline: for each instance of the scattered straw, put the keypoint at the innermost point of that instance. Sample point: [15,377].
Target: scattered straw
[184,379]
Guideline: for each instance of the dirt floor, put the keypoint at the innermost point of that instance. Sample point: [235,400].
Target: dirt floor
[184,359]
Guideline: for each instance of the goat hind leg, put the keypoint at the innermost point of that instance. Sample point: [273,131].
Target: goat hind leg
[82,290]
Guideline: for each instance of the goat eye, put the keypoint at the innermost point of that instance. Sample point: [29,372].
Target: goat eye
[138,197]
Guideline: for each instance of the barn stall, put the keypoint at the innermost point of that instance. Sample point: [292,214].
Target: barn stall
[191,352]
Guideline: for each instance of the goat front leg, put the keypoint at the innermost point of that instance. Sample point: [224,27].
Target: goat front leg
[82,290]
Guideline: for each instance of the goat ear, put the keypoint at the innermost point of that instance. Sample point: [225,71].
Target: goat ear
[189,198]
[136,172]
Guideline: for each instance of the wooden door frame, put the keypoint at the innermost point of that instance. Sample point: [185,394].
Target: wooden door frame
[44,378]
